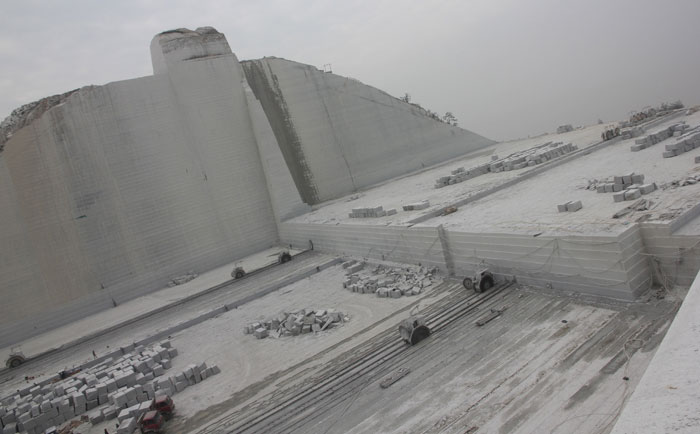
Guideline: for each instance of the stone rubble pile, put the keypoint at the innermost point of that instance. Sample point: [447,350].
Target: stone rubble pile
[179,280]
[27,113]
[121,388]
[518,160]
[372,212]
[296,323]
[385,281]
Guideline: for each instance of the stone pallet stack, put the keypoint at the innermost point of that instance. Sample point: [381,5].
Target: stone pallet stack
[103,391]
[372,212]
[296,323]
[659,136]
[390,282]
[417,206]
[519,160]
[687,141]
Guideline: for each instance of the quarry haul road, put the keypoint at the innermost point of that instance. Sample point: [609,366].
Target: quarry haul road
[234,294]
[510,372]
[289,408]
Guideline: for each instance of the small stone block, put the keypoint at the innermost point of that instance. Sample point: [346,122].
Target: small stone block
[632,194]
[574,206]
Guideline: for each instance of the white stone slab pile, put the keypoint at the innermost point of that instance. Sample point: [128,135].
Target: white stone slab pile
[371,212]
[391,282]
[685,142]
[417,206]
[102,391]
[518,160]
[296,323]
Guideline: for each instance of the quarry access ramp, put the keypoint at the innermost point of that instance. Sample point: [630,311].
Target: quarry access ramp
[172,314]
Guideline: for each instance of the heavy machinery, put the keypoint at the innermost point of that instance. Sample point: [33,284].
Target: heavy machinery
[610,133]
[283,257]
[164,405]
[238,272]
[413,329]
[480,282]
[16,358]
[151,422]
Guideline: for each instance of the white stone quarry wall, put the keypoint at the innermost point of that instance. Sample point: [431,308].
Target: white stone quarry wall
[125,185]
[339,135]
[390,243]
[612,267]
[675,259]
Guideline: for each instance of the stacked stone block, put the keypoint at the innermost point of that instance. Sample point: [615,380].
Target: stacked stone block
[619,183]
[391,282]
[417,206]
[102,391]
[518,160]
[372,212]
[685,142]
[675,130]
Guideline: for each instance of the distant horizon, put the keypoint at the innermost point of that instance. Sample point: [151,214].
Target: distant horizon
[505,69]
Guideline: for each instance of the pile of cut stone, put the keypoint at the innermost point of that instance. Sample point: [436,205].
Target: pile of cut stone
[372,212]
[175,281]
[625,187]
[296,323]
[659,136]
[685,142]
[121,388]
[416,206]
[385,281]
[631,133]
[518,160]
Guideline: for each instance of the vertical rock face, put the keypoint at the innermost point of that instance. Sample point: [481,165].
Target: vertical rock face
[107,192]
[107,195]
[339,135]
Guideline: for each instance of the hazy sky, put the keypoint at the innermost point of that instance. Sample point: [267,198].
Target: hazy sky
[505,68]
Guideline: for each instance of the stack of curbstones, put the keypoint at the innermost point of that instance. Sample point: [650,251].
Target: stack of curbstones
[391,282]
[105,390]
[372,212]
[417,206]
[296,323]
[518,160]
